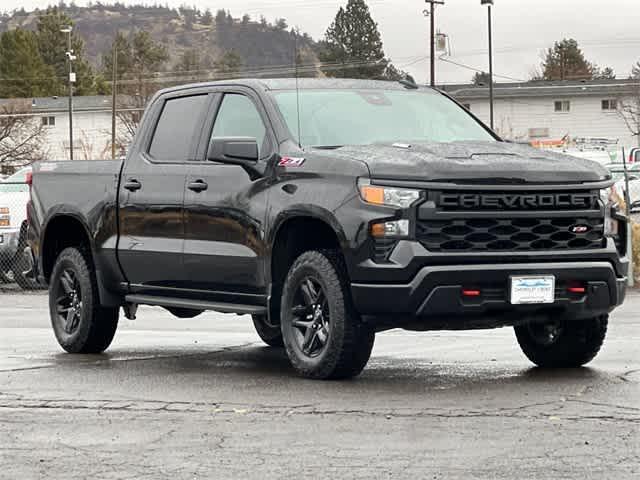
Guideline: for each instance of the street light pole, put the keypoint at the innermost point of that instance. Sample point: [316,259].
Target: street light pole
[70,58]
[432,44]
[489,4]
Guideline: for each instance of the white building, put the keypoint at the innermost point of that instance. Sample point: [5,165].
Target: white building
[547,110]
[91,125]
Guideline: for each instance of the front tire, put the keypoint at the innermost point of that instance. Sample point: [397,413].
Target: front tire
[562,343]
[80,323]
[323,335]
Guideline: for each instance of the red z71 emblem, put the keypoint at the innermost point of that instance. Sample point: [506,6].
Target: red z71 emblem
[579,229]
[291,162]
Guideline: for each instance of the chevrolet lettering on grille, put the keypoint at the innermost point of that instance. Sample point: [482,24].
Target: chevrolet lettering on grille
[509,201]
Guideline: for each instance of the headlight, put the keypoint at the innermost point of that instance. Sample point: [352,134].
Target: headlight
[389,196]
[5,219]
[392,229]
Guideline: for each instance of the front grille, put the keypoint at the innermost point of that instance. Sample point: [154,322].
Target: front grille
[511,234]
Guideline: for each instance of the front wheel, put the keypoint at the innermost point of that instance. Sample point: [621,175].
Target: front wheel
[80,323]
[562,343]
[323,335]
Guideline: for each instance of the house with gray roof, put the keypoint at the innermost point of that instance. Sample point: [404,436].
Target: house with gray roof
[547,110]
[91,124]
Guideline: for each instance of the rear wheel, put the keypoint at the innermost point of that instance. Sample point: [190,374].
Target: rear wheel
[80,323]
[323,334]
[562,343]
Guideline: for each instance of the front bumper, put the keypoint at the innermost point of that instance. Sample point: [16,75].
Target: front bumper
[433,299]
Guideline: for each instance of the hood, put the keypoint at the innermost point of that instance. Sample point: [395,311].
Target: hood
[473,162]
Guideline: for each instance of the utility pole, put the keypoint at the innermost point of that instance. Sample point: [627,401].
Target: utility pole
[489,4]
[432,44]
[72,78]
[114,87]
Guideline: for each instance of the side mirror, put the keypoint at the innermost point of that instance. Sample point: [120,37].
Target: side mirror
[242,151]
[234,150]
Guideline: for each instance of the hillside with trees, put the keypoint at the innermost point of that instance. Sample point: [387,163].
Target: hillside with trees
[216,36]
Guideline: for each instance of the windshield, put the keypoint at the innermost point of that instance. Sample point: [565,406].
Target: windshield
[16,182]
[363,117]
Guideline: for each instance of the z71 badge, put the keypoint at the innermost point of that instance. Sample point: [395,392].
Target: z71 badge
[291,162]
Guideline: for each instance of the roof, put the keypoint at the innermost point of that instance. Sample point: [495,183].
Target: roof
[60,104]
[302,84]
[566,88]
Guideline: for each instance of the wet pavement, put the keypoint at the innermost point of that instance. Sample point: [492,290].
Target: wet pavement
[202,398]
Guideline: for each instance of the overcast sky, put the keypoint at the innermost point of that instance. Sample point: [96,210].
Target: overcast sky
[607,30]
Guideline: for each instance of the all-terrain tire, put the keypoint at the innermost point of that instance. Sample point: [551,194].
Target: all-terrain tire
[270,334]
[95,325]
[350,341]
[577,343]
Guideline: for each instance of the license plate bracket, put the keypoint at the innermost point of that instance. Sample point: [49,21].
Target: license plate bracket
[532,289]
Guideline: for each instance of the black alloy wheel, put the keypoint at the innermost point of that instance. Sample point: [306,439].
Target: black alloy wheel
[323,334]
[311,317]
[80,323]
[68,297]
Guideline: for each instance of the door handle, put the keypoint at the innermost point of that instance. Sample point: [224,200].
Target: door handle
[132,185]
[198,186]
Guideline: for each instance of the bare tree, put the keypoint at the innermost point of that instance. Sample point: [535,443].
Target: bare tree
[90,150]
[21,136]
[629,110]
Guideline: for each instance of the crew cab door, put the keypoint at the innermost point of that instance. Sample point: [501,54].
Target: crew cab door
[225,208]
[151,196]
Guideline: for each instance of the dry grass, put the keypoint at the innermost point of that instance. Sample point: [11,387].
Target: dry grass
[636,249]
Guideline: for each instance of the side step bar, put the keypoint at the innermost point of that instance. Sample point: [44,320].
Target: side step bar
[195,304]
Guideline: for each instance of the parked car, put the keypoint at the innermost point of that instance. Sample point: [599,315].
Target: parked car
[634,192]
[15,263]
[329,213]
[617,170]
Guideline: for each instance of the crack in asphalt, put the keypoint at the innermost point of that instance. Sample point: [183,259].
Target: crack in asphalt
[621,413]
[101,361]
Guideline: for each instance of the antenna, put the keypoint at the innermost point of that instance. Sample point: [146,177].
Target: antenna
[295,62]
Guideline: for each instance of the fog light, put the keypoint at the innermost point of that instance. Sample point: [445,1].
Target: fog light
[395,228]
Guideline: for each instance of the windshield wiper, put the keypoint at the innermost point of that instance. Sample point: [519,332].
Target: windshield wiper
[327,147]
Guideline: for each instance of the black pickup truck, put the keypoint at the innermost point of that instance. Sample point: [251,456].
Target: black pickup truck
[329,211]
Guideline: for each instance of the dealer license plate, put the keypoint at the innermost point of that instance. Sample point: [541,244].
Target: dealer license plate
[532,289]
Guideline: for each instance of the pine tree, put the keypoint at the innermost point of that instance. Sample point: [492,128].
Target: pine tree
[565,61]
[229,64]
[635,71]
[352,44]
[188,62]
[23,73]
[207,18]
[53,45]
[480,78]
[139,57]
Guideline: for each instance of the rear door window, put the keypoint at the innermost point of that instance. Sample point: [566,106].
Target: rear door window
[177,127]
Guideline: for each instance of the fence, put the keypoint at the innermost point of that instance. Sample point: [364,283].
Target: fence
[15,263]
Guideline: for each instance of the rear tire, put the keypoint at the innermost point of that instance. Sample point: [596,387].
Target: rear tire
[270,334]
[323,335]
[80,323]
[562,343]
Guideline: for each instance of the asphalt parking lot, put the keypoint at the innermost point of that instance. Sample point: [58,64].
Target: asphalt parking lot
[202,398]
